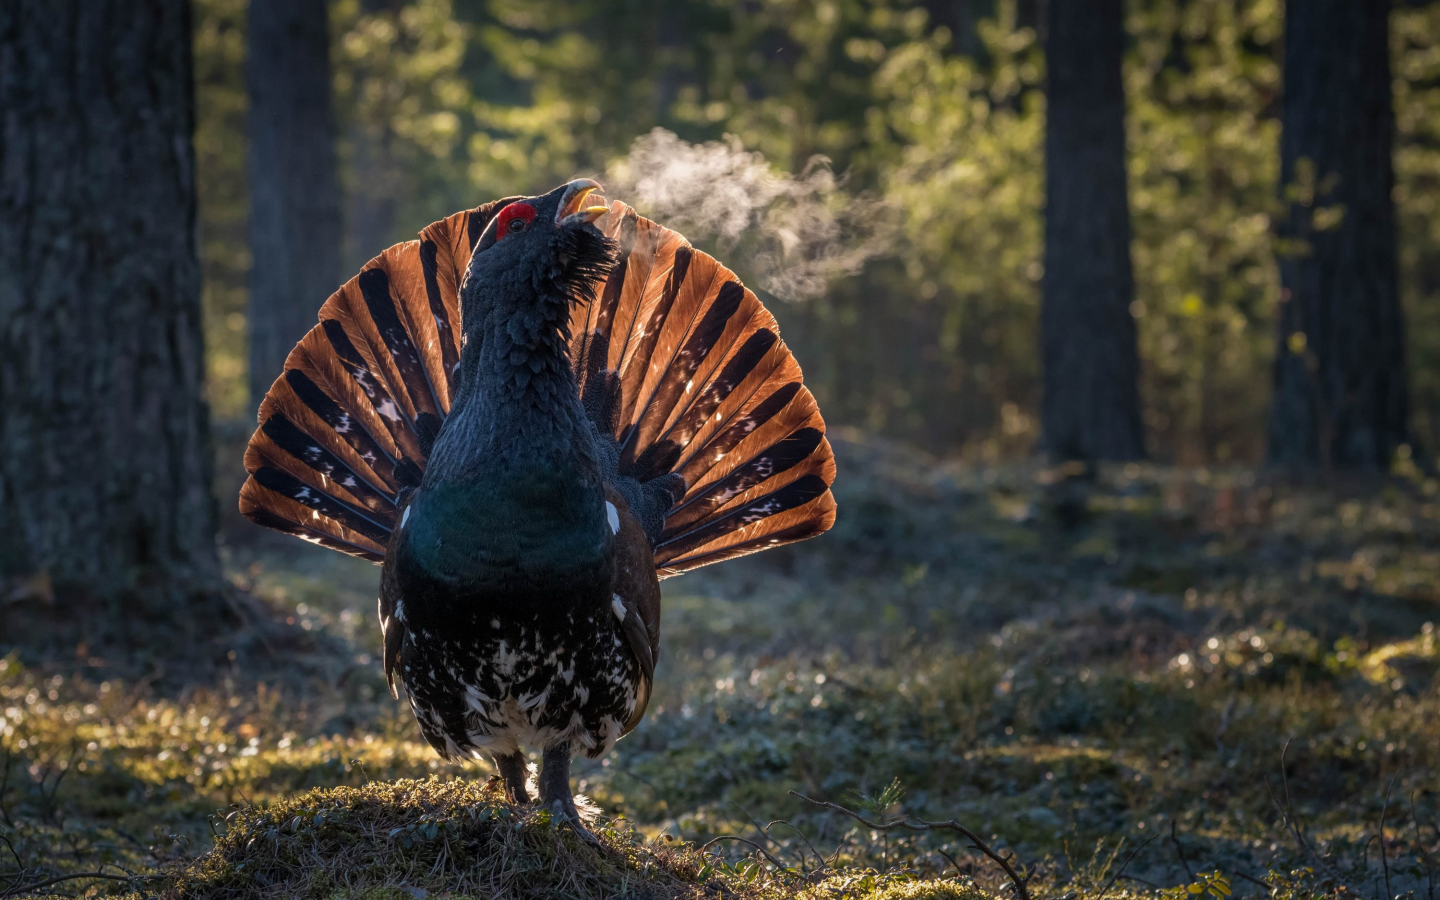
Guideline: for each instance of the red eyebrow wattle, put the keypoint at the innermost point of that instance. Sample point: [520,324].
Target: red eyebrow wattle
[514,211]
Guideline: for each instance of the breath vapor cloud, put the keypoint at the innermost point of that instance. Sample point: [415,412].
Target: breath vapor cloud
[791,234]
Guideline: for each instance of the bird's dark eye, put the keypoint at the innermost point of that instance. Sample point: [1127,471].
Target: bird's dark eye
[512,220]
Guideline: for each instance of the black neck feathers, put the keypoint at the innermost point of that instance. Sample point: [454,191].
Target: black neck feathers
[518,397]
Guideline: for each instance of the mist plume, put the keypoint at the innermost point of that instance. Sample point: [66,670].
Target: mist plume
[790,235]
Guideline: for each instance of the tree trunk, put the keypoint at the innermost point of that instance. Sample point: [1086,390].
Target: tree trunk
[104,443]
[1091,406]
[1340,393]
[295,230]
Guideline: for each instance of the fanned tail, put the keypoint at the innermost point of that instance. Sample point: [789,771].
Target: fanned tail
[687,371]
[346,429]
[677,361]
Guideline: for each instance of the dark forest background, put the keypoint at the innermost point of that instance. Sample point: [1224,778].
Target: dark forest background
[938,109]
[1195,232]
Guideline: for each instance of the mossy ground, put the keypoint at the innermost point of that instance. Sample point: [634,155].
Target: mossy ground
[1084,671]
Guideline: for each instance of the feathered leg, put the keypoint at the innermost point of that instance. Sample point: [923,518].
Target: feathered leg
[555,790]
[513,770]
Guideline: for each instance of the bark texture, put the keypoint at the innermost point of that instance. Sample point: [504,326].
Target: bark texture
[104,442]
[1091,405]
[295,228]
[1340,392]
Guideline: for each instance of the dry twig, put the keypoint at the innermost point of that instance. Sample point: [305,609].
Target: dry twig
[952,861]
[766,830]
[758,849]
[1287,812]
[1424,854]
[1384,852]
[25,889]
[1116,877]
[1175,842]
[1016,879]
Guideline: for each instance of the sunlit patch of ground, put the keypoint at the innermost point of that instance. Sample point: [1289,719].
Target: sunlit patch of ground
[1098,676]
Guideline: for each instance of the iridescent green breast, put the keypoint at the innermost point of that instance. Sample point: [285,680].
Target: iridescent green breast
[528,524]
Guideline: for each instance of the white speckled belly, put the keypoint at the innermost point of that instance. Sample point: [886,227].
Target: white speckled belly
[498,687]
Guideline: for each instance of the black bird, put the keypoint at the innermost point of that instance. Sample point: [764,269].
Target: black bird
[529,416]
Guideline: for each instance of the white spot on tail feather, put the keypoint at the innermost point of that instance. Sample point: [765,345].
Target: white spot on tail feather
[613,516]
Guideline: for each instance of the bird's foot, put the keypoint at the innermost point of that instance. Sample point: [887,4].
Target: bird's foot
[565,811]
[515,770]
[555,793]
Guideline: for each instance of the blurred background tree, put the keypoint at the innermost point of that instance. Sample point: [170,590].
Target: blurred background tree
[936,108]
[1340,381]
[1091,404]
[294,231]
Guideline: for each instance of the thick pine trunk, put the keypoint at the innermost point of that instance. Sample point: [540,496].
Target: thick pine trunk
[104,443]
[295,230]
[1091,406]
[1340,392]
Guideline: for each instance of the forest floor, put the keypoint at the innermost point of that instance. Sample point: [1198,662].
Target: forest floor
[1131,683]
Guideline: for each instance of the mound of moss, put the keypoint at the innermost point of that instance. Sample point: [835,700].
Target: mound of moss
[408,839]
[411,839]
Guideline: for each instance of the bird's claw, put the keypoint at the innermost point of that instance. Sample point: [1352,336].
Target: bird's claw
[565,812]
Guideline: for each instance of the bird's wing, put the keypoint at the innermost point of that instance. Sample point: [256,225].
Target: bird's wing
[392,628]
[346,429]
[637,599]
[678,362]
[684,367]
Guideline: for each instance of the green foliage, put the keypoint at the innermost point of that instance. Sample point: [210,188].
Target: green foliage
[972,223]
[406,113]
[880,803]
[928,890]
[1206,885]
[223,199]
[1415,49]
[447,103]
[1202,84]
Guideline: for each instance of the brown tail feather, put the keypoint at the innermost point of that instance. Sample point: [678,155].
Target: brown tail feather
[265,507]
[709,392]
[697,384]
[347,426]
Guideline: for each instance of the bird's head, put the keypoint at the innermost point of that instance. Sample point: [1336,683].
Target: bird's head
[543,249]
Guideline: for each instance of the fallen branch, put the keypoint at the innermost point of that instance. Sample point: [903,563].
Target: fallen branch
[1018,880]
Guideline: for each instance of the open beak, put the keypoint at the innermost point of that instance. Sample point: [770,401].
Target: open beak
[573,209]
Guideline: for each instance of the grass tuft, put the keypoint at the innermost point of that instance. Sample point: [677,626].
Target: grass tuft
[411,838]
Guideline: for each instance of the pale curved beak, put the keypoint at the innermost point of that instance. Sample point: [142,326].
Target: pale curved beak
[573,209]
